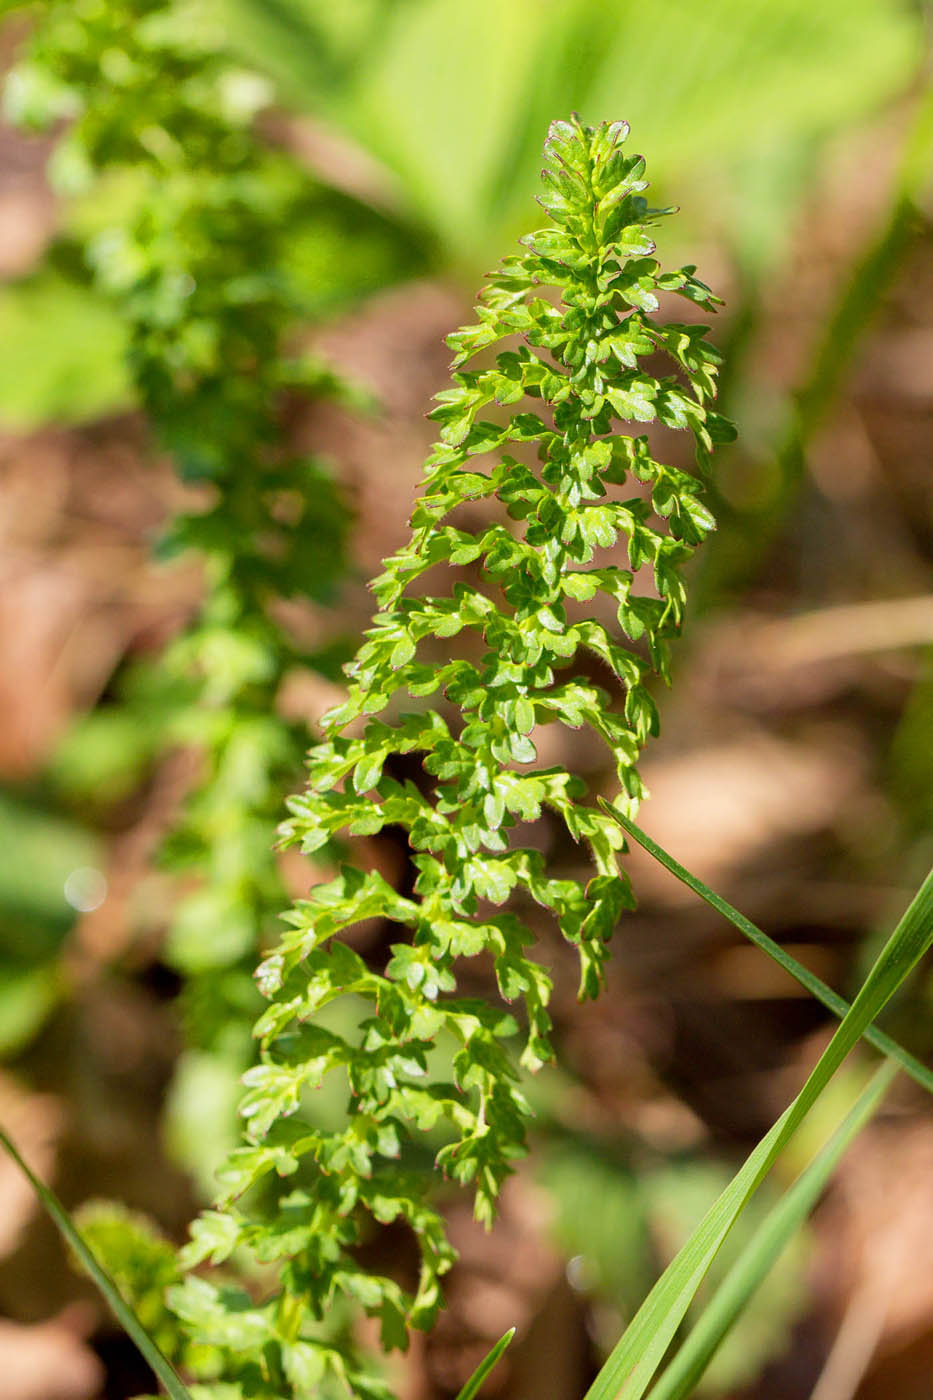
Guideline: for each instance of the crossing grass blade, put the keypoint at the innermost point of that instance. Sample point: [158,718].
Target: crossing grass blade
[127,1319]
[830,999]
[633,1362]
[485,1366]
[762,1251]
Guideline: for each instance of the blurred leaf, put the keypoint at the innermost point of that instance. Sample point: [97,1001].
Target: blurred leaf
[200,1120]
[41,850]
[65,356]
[740,82]
[105,754]
[608,1219]
[600,1220]
[341,251]
[27,995]
[139,1259]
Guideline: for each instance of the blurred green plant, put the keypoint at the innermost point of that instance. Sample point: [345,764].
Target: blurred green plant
[73,372]
[612,1207]
[179,211]
[45,854]
[748,89]
[142,1264]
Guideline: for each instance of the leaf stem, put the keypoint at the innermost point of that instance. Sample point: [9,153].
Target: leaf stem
[124,1314]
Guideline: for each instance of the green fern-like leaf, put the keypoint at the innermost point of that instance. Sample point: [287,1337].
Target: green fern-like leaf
[182,208]
[519,661]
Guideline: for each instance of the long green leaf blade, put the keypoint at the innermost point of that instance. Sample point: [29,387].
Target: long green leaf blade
[485,1366]
[762,1251]
[633,1362]
[830,999]
[105,1284]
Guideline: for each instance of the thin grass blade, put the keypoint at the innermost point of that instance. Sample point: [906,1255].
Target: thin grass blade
[127,1319]
[768,1242]
[633,1362]
[830,999]
[485,1366]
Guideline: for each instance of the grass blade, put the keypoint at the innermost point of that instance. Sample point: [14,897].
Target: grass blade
[485,1366]
[830,999]
[633,1362]
[769,1240]
[121,1311]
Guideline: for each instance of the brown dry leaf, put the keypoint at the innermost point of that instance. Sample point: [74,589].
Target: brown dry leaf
[27,205]
[132,915]
[718,807]
[395,346]
[26,211]
[50,1360]
[501,1280]
[34,1122]
[880,1223]
[76,586]
[767,665]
